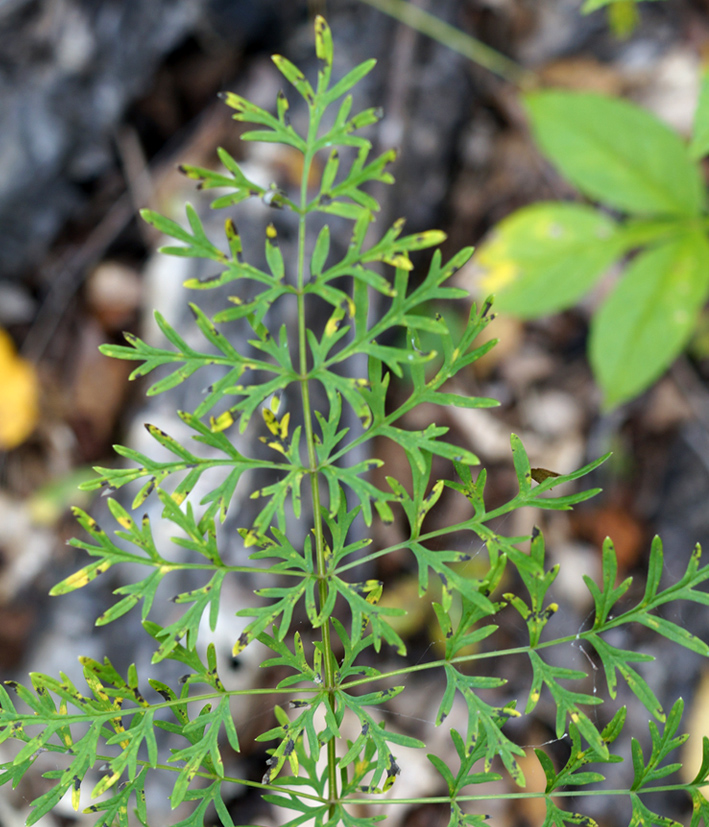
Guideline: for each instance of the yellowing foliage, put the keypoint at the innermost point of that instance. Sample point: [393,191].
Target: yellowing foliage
[19,395]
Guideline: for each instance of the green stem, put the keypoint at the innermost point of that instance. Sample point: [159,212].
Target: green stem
[71,719]
[210,776]
[455,39]
[497,653]
[430,799]
[313,465]
[475,524]
[503,796]
[438,664]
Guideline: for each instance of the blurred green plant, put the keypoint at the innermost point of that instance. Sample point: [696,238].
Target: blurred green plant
[455,39]
[650,188]
[98,744]
[623,15]
[545,257]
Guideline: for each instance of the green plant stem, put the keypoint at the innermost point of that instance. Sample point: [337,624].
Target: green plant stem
[118,712]
[438,664]
[517,650]
[455,39]
[313,463]
[167,568]
[475,525]
[432,799]
[246,782]
[502,796]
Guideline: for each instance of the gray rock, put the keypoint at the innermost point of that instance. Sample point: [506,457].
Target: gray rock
[68,70]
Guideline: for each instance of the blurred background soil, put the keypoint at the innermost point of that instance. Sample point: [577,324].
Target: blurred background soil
[100,100]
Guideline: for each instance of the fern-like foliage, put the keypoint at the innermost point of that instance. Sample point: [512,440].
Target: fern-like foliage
[314,772]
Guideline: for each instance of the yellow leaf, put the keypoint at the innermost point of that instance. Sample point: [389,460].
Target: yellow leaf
[76,793]
[221,422]
[19,399]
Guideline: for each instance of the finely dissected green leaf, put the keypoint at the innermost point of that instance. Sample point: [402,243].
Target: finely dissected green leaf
[197,536]
[534,494]
[265,616]
[348,81]
[614,659]
[574,771]
[683,589]
[566,700]
[372,731]
[537,581]
[484,718]
[323,42]
[208,796]
[606,597]
[361,205]
[416,443]
[646,321]
[295,76]
[529,495]
[204,751]
[700,808]
[197,244]
[672,631]
[663,744]
[523,469]
[115,810]
[277,130]
[209,179]
[643,816]
[323,665]
[342,134]
[295,660]
[362,599]
[187,625]
[468,756]
[193,360]
[616,153]
[104,548]
[558,817]
[116,713]
[654,570]
[545,257]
